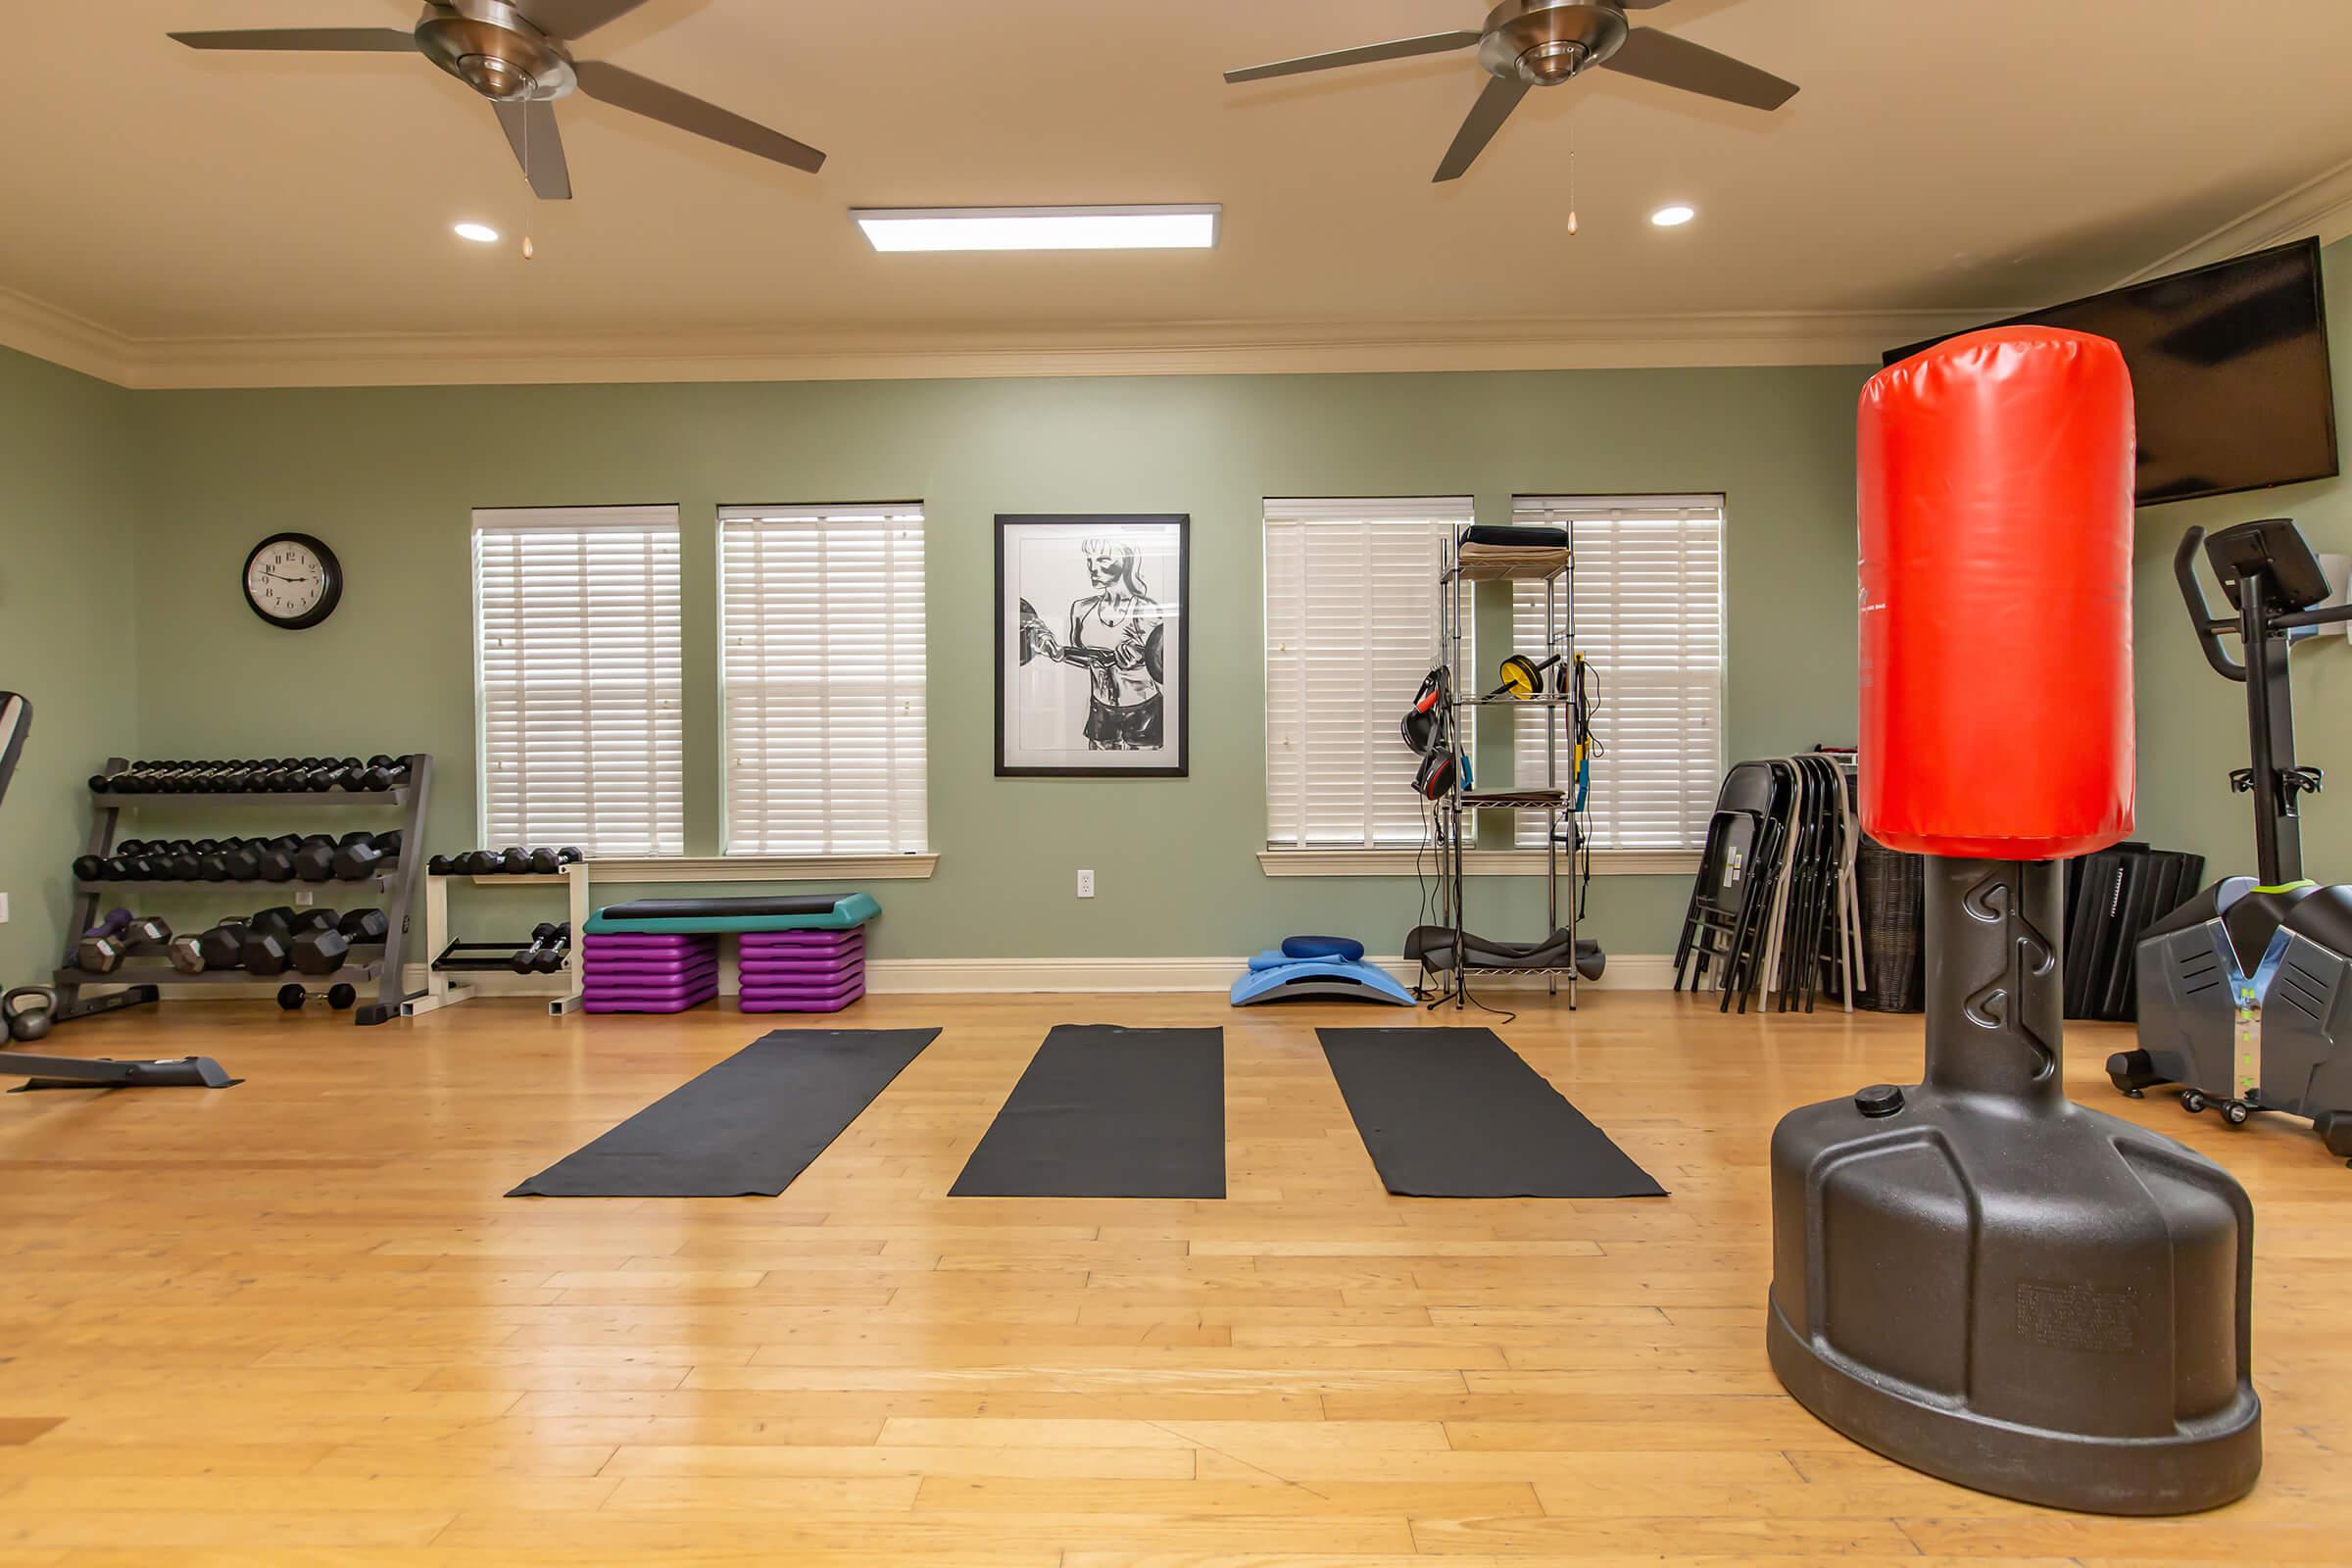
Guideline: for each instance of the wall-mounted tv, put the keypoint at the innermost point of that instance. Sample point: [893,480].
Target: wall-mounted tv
[2230,371]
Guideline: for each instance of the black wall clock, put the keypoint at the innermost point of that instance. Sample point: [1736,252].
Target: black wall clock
[293,580]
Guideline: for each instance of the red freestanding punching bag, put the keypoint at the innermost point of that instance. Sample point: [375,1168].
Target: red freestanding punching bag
[1995,474]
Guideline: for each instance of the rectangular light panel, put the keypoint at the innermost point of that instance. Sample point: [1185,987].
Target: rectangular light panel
[1039,228]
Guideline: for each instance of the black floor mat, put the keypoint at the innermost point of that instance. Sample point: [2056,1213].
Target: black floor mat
[743,1128]
[1457,1113]
[1109,1112]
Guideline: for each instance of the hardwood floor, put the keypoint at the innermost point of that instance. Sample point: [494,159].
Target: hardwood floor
[295,1323]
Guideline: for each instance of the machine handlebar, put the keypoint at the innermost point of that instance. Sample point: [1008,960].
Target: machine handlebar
[2200,614]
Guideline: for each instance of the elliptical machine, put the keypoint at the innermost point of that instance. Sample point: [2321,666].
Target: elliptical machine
[2243,993]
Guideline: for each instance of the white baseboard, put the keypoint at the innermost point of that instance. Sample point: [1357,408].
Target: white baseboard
[1631,971]
[1639,971]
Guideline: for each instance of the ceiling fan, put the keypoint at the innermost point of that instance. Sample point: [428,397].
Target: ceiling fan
[1542,44]
[518,55]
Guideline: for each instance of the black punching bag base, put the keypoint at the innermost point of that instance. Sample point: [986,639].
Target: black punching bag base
[1982,1280]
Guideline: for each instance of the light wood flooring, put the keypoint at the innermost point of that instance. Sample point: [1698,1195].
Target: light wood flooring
[295,1323]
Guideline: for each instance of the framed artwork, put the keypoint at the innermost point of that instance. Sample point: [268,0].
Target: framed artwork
[1093,646]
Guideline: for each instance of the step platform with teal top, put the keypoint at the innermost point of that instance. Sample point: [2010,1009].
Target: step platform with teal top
[804,912]
[1320,969]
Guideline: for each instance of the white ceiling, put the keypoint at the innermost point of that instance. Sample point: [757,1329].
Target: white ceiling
[1945,154]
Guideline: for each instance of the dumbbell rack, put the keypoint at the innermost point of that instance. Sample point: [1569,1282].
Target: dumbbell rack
[444,988]
[144,972]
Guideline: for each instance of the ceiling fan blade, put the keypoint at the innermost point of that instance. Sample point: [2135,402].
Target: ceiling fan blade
[1434,43]
[324,40]
[1673,62]
[1486,116]
[538,145]
[625,89]
[575,19]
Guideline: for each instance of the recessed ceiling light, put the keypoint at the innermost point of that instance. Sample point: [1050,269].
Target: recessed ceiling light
[480,234]
[1674,217]
[1039,228]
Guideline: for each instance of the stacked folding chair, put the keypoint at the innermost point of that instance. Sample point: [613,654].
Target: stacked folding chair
[1815,928]
[1775,911]
[1739,871]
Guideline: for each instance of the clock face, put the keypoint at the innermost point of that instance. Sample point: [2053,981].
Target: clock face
[293,580]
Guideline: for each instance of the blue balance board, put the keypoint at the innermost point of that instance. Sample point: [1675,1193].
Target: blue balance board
[1275,977]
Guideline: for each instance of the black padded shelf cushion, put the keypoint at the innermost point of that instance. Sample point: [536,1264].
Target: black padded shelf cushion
[722,908]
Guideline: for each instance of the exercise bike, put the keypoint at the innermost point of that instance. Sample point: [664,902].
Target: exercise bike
[2245,991]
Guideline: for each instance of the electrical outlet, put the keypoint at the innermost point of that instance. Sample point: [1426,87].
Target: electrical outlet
[1086,884]
[306,899]
[3,909]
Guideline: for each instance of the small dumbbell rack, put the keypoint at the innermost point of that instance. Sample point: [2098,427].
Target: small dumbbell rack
[1555,569]
[397,884]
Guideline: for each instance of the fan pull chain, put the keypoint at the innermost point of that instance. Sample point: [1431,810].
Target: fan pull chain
[1572,177]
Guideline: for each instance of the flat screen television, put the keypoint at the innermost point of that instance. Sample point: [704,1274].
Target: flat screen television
[2230,371]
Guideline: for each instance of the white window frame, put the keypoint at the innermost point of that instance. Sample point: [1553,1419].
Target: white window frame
[1695,713]
[659,808]
[905,803]
[1383,696]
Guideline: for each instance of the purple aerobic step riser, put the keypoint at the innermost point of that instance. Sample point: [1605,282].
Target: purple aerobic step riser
[834,1004]
[609,963]
[676,999]
[801,943]
[683,974]
[813,969]
[820,991]
[648,942]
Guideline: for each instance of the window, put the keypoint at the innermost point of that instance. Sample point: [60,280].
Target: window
[821,624]
[1351,605]
[1649,621]
[576,643]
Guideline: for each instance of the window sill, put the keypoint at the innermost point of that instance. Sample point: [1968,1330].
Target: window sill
[1480,863]
[764,869]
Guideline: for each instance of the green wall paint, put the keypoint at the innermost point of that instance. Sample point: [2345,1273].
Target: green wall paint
[93,478]
[389,476]
[69,639]
[2192,723]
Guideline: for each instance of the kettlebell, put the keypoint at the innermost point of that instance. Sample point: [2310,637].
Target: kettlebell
[29,1011]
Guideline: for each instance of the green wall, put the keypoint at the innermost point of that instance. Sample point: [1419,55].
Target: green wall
[93,479]
[2192,723]
[389,476]
[68,631]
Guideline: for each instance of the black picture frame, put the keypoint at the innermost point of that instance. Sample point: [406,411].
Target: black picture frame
[330,567]
[1006,650]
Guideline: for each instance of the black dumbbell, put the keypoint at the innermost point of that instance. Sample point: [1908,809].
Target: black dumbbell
[326,952]
[275,860]
[550,945]
[192,951]
[339,997]
[543,934]
[269,947]
[314,862]
[220,947]
[361,855]
[103,950]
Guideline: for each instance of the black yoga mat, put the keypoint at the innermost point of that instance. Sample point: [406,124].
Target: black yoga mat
[743,1128]
[1109,1112]
[1456,1114]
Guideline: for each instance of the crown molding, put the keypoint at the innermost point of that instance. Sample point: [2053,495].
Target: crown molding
[1200,349]
[43,330]
[2321,206]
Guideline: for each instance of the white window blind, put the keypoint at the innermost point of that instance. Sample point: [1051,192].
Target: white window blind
[578,663]
[1649,621]
[1351,594]
[821,620]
